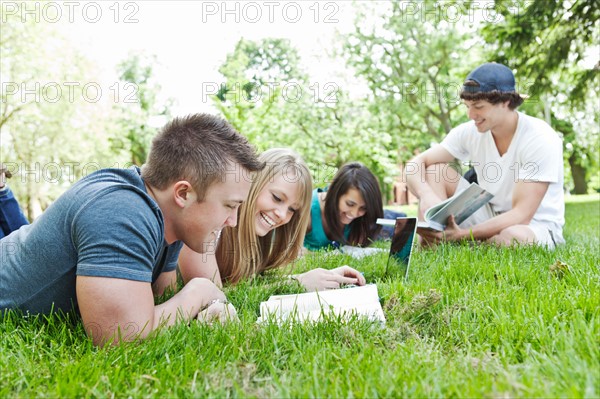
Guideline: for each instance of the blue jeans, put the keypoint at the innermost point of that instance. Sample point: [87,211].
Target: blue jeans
[11,216]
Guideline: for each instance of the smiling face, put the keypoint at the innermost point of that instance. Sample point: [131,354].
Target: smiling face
[487,116]
[351,206]
[199,222]
[276,204]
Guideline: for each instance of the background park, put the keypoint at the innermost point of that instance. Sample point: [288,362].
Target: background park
[85,85]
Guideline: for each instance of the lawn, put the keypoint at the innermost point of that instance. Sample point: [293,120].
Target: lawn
[471,321]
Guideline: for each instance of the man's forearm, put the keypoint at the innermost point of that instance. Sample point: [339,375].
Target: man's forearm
[186,304]
[166,281]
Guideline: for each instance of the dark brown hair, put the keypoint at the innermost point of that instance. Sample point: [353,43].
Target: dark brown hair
[493,97]
[362,229]
[201,149]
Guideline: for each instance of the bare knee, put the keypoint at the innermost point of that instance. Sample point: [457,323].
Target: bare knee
[519,234]
[443,179]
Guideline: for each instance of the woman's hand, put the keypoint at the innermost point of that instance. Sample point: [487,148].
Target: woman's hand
[323,279]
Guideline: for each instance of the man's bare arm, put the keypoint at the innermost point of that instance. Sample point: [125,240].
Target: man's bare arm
[115,310]
[166,280]
[527,197]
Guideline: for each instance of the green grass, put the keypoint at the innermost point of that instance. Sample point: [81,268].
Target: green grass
[470,322]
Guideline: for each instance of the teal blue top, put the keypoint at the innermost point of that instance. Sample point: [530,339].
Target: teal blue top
[317,239]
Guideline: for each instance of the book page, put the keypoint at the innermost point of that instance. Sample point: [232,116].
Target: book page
[311,306]
[284,303]
[461,206]
[431,212]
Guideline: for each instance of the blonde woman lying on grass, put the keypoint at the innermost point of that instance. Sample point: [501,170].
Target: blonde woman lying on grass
[270,230]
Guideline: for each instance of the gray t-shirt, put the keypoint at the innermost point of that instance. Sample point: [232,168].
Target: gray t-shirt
[105,225]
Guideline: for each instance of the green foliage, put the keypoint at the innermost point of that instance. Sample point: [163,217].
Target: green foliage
[270,60]
[539,38]
[266,96]
[414,67]
[469,322]
[548,43]
[133,130]
[52,128]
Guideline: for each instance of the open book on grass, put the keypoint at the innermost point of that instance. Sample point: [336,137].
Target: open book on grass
[345,303]
[461,206]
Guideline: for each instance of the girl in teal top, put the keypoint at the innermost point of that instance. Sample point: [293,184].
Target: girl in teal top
[347,212]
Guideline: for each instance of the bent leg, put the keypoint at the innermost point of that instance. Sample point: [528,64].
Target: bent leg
[518,234]
[443,180]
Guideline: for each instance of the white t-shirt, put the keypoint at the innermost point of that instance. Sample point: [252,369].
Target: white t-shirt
[535,154]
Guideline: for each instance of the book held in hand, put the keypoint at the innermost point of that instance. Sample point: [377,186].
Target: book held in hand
[461,206]
[319,305]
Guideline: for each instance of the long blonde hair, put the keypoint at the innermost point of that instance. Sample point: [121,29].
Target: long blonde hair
[241,252]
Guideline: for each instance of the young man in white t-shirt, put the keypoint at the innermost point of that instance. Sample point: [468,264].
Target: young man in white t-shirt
[516,157]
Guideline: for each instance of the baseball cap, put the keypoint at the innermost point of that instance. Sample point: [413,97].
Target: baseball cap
[491,76]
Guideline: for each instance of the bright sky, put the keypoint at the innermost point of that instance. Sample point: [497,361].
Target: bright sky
[192,38]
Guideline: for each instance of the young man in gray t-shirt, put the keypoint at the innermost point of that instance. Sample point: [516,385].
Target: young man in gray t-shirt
[110,243]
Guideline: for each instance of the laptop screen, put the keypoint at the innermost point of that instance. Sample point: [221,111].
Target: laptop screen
[401,248]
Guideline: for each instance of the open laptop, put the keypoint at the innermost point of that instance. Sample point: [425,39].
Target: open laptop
[405,230]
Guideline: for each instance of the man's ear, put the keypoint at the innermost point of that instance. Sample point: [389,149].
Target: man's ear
[183,193]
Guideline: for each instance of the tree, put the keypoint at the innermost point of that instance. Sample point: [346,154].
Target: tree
[414,67]
[140,104]
[547,43]
[267,97]
[540,38]
[259,77]
[51,127]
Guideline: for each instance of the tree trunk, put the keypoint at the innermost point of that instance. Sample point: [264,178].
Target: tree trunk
[578,174]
